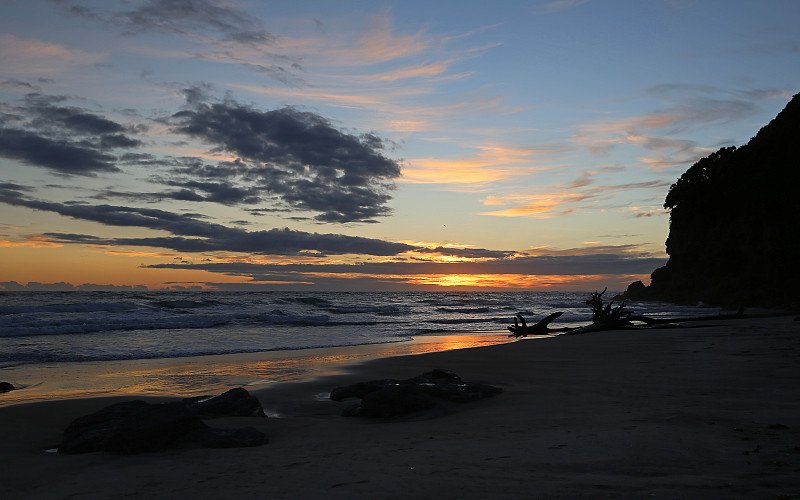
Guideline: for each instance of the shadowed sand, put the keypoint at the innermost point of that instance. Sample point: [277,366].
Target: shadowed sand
[709,412]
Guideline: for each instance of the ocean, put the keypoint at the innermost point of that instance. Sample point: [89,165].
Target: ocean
[75,344]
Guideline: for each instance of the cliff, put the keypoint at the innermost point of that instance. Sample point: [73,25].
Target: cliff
[734,233]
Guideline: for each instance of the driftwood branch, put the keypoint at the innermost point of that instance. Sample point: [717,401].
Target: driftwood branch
[521,328]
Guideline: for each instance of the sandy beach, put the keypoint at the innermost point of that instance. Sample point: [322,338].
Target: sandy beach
[707,412]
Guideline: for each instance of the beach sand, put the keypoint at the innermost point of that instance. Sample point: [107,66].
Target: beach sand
[708,412]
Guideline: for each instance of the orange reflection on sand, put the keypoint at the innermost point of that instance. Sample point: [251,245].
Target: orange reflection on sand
[207,375]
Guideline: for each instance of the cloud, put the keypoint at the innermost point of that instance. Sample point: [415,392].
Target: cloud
[548,265]
[57,155]
[15,84]
[296,155]
[686,106]
[34,241]
[563,200]
[559,5]
[13,286]
[490,163]
[65,139]
[375,45]
[35,57]
[297,159]
[193,18]
[468,253]
[190,233]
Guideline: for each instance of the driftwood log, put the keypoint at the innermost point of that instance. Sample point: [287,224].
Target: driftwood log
[609,317]
[521,328]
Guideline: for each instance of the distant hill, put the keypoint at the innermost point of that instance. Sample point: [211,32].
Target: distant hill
[734,236]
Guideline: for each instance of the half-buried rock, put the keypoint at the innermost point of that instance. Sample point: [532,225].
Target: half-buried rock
[137,426]
[391,397]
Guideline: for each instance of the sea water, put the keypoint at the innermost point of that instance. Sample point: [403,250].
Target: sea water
[40,330]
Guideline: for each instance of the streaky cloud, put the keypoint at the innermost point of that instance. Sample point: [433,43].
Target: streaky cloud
[192,234]
[181,17]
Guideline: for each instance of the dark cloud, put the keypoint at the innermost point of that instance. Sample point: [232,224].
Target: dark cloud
[291,158]
[469,253]
[57,155]
[182,17]
[190,233]
[269,242]
[14,84]
[13,286]
[298,156]
[43,112]
[42,132]
[218,192]
[593,264]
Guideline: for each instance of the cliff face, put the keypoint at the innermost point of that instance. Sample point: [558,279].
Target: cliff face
[734,235]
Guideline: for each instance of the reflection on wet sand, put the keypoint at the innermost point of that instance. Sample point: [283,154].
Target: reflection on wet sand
[209,374]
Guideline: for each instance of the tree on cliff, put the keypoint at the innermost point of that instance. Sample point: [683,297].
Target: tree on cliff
[735,223]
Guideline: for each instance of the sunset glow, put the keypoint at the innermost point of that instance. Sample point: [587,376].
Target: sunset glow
[379,146]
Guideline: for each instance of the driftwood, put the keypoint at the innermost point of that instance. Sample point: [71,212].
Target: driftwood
[521,328]
[608,317]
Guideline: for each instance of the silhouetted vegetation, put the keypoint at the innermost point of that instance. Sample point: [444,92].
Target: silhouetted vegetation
[607,313]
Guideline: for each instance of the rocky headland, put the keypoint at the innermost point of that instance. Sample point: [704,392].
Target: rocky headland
[735,225]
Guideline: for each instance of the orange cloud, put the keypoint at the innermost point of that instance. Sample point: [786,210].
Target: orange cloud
[379,44]
[35,241]
[136,253]
[492,163]
[537,205]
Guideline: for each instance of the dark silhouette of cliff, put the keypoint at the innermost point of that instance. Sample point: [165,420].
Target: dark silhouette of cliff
[734,236]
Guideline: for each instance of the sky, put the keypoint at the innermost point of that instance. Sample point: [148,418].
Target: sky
[367,145]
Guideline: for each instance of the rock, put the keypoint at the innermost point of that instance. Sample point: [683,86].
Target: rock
[435,376]
[396,400]
[463,392]
[361,389]
[390,397]
[635,291]
[155,427]
[244,437]
[137,426]
[132,427]
[6,386]
[233,403]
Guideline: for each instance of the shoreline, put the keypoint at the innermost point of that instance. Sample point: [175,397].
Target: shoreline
[707,412]
[200,375]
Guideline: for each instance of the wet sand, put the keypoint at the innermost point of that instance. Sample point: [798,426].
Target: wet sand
[707,412]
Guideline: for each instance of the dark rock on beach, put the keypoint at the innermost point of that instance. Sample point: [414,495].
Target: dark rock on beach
[361,389]
[390,397]
[6,386]
[132,427]
[233,403]
[734,235]
[137,427]
[395,400]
